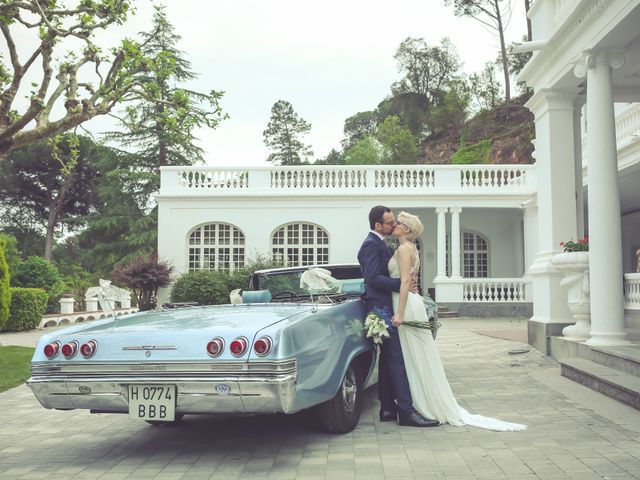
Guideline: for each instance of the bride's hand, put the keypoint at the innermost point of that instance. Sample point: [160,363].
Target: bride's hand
[397,320]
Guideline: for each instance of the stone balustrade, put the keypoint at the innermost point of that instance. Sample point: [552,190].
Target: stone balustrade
[67,316]
[494,290]
[632,291]
[349,180]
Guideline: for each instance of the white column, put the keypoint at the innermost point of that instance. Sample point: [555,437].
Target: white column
[66,305]
[441,244]
[605,237]
[92,304]
[530,227]
[577,149]
[556,205]
[455,242]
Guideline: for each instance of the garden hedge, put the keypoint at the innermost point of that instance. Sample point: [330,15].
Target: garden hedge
[5,292]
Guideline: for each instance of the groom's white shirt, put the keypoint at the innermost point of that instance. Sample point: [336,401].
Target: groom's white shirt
[381,237]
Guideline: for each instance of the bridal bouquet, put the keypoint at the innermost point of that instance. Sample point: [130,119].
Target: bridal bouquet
[432,325]
[376,327]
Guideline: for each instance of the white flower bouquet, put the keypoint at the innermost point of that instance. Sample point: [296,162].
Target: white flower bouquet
[377,329]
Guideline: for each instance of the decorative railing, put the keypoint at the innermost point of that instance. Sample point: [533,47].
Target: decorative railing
[213,179]
[632,291]
[628,125]
[57,319]
[493,290]
[388,179]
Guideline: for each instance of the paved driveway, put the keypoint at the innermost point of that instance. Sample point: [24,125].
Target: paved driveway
[574,433]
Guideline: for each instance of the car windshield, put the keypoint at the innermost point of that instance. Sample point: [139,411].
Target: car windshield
[325,279]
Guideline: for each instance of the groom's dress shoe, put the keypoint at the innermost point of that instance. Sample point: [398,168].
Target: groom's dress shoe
[417,420]
[388,416]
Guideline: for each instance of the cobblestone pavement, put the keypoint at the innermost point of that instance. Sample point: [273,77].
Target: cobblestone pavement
[574,433]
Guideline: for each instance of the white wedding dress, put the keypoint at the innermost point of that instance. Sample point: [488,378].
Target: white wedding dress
[430,391]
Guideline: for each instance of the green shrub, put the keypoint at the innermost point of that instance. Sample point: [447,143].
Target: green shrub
[27,308]
[473,154]
[5,292]
[240,278]
[36,272]
[11,252]
[207,287]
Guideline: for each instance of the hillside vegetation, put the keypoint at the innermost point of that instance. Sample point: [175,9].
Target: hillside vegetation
[506,130]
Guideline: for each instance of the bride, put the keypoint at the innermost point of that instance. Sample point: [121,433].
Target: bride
[430,390]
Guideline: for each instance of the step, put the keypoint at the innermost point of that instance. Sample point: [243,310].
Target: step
[626,359]
[622,386]
[447,314]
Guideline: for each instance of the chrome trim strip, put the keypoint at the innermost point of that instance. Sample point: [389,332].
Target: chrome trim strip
[206,368]
[151,347]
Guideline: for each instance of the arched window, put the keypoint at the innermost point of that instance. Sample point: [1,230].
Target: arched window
[216,246]
[475,255]
[300,244]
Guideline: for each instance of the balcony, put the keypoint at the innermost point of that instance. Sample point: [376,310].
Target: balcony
[518,180]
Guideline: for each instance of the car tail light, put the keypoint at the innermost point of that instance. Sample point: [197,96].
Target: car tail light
[69,349]
[215,347]
[52,349]
[88,349]
[238,347]
[262,346]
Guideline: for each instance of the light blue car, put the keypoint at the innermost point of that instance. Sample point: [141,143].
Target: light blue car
[284,349]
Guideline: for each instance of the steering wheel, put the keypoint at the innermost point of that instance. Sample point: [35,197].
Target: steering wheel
[291,296]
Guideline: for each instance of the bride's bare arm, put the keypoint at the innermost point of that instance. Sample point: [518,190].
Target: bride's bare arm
[405,255]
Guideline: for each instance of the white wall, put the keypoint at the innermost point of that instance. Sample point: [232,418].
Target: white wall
[346,222]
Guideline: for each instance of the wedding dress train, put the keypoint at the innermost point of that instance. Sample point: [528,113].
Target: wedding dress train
[430,389]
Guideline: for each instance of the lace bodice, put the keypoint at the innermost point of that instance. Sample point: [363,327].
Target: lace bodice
[394,267]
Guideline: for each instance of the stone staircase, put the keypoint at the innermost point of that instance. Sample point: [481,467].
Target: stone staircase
[613,371]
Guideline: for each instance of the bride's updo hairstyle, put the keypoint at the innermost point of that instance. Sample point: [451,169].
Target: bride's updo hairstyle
[414,224]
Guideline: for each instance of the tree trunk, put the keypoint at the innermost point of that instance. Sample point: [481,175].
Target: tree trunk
[55,207]
[527,6]
[503,52]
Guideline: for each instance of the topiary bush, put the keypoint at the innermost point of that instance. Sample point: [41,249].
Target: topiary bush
[5,292]
[207,287]
[27,308]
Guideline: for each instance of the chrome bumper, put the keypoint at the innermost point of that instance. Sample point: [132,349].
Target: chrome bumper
[247,387]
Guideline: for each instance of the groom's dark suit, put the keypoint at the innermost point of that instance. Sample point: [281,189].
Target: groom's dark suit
[392,377]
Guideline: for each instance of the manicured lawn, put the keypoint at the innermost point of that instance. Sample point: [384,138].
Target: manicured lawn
[14,366]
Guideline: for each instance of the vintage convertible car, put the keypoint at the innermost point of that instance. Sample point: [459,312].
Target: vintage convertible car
[284,349]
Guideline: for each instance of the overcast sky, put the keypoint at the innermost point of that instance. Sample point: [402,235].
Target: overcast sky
[329,59]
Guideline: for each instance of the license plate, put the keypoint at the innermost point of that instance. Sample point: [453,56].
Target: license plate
[152,402]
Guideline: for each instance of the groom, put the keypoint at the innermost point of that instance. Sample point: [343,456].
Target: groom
[393,387]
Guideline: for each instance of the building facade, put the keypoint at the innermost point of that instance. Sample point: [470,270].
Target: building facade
[490,230]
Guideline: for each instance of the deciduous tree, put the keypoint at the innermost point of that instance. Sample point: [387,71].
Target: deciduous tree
[50,184]
[366,151]
[359,126]
[495,14]
[399,145]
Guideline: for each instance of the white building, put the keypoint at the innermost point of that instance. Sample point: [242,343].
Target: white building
[490,230]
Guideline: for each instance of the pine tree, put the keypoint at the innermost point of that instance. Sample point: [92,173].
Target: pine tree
[283,136]
[157,132]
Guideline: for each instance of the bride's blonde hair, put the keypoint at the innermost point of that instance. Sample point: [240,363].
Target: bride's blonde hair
[413,222]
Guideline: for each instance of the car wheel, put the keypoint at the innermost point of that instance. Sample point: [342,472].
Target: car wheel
[155,423]
[342,413]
